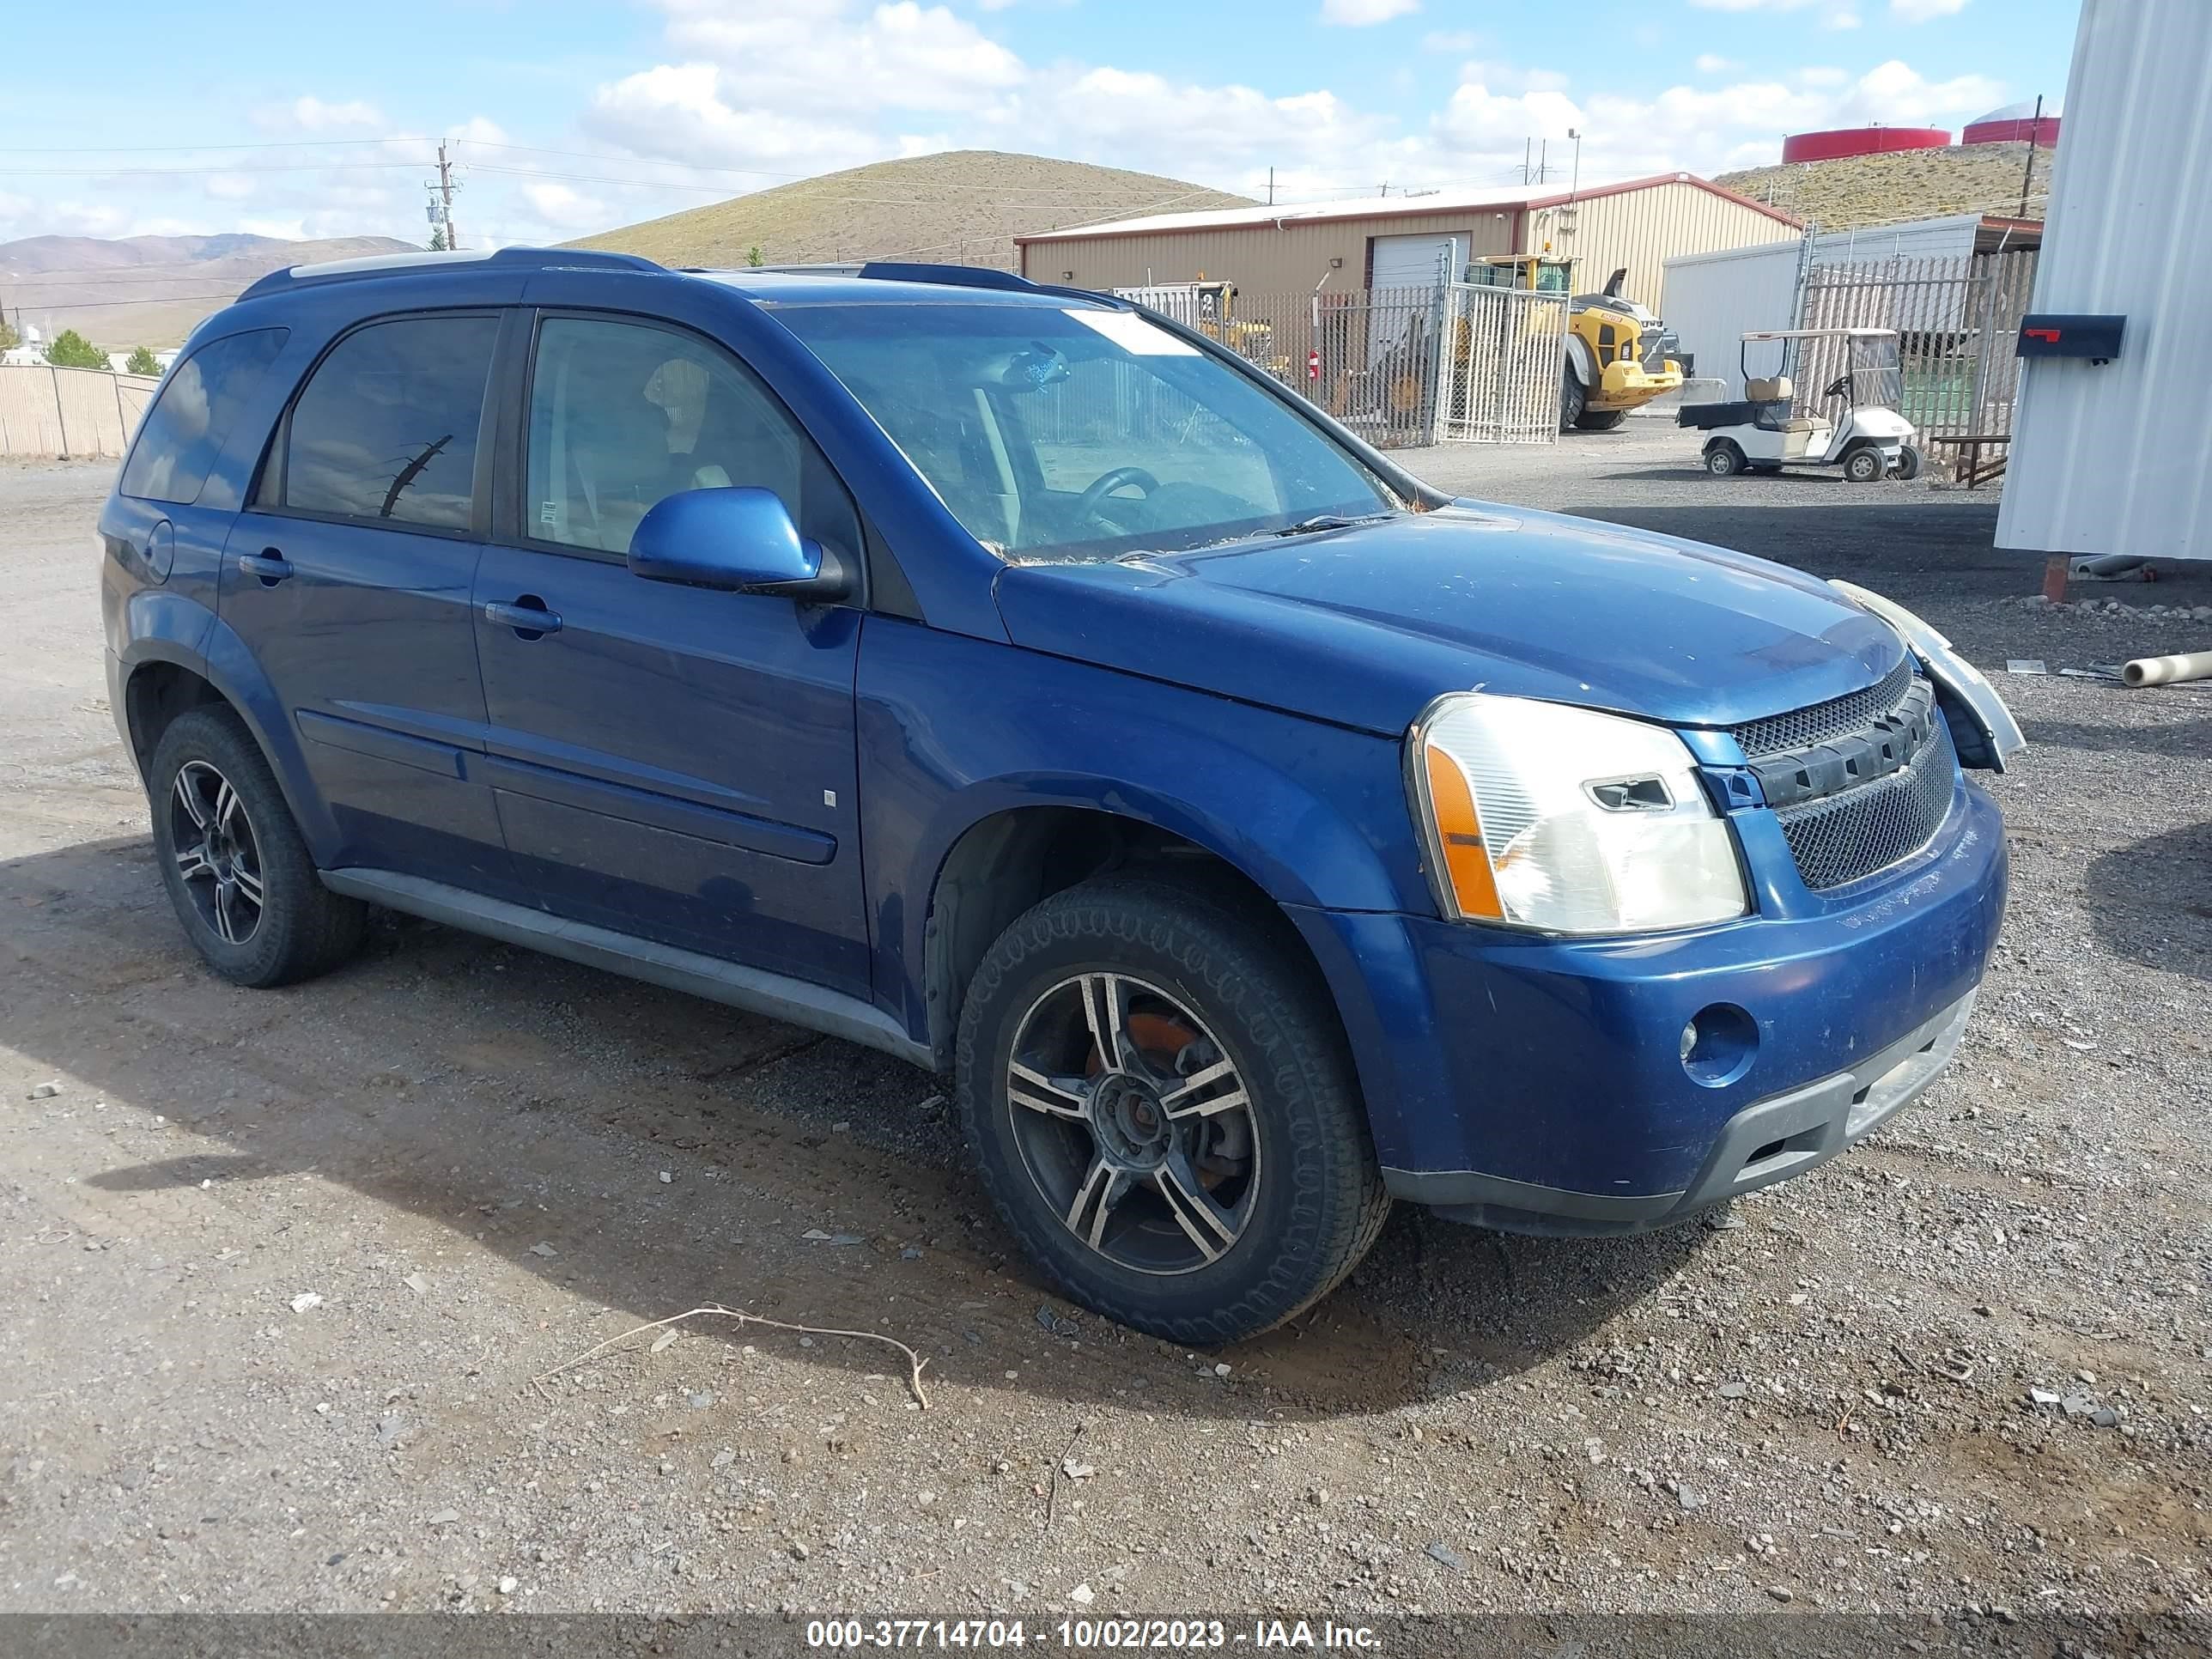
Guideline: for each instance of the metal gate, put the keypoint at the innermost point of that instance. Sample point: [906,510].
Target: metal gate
[1958,323]
[1501,363]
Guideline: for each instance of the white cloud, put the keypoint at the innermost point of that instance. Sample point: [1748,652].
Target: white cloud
[820,55]
[1444,42]
[1922,11]
[557,204]
[1361,13]
[312,114]
[1712,64]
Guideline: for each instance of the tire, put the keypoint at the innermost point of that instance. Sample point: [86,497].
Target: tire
[1572,399]
[1723,460]
[1908,463]
[1864,465]
[1084,1159]
[1599,419]
[221,832]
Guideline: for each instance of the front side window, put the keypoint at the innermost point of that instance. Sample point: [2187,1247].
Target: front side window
[184,431]
[387,428]
[1078,432]
[624,413]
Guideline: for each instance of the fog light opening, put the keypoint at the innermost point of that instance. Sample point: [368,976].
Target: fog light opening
[1719,1044]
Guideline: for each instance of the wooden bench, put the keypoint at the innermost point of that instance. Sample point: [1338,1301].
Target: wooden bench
[1971,468]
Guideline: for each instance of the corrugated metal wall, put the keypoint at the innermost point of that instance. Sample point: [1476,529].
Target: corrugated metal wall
[2119,458]
[1638,228]
[1254,257]
[1711,301]
[1642,229]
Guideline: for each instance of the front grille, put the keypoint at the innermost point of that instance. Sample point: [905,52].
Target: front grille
[1845,837]
[1822,721]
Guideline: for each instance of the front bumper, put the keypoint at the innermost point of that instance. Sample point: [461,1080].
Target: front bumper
[1769,1141]
[1542,1079]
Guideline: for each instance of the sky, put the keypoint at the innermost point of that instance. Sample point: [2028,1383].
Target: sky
[565,118]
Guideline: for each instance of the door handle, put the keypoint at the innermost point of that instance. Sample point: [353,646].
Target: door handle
[527,616]
[269,564]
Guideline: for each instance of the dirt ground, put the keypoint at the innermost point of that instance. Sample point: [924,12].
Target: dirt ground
[284,1273]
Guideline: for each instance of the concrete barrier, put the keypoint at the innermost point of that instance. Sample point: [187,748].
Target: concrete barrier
[74,413]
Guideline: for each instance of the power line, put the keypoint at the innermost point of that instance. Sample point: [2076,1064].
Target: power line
[103,305]
[161,149]
[166,172]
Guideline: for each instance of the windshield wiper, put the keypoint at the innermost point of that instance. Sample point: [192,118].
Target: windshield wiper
[1328,521]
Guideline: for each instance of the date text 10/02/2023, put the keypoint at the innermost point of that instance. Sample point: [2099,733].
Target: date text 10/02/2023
[1089,1634]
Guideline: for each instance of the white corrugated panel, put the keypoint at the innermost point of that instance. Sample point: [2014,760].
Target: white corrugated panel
[2119,458]
[1711,300]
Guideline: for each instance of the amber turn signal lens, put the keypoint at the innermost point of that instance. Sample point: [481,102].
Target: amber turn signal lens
[1459,832]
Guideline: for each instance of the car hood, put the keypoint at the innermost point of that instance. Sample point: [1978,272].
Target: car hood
[1365,626]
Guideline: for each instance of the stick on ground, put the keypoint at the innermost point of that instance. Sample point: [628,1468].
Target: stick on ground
[914,1361]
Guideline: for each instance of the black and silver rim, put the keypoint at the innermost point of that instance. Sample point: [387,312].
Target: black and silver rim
[1134,1123]
[216,853]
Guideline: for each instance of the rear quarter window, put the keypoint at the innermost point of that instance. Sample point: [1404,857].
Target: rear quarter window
[186,429]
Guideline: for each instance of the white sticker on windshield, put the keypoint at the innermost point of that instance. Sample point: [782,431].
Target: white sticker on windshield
[1135,334]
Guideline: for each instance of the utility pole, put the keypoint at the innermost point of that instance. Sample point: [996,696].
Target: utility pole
[445,195]
[2034,137]
[1271,187]
[1527,149]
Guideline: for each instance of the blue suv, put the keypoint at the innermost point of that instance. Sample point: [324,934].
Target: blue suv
[1022,684]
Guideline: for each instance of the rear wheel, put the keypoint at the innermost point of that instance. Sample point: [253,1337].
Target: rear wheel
[1908,463]
[1864,466]
[1600,420]
[242,880]
[1163,1111]
[1573,400]
[1722,459]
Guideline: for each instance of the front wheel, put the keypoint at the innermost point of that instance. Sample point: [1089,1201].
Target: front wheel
[1600,420]
[1724,459]
[1864,466]
[1164,1112]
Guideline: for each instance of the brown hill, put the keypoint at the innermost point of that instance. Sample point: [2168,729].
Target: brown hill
[1917,184]
[148,290]
[962,207]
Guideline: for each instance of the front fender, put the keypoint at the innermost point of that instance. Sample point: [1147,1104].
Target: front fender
[161,628]
[953,729]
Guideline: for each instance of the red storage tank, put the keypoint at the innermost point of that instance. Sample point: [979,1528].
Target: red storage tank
[1835,145]
[2015,124]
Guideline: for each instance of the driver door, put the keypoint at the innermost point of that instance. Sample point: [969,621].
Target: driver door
[669,762]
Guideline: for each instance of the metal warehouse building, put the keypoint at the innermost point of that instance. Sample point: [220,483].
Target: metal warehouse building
[2115,456]
[1404,242]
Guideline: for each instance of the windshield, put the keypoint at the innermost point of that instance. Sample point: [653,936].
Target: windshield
[1082,433]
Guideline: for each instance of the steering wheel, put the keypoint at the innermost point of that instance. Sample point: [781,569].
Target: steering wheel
[1106,484]
[1838,387]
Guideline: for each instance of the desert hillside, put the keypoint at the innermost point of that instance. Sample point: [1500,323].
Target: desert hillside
[1919,184]
[964,207]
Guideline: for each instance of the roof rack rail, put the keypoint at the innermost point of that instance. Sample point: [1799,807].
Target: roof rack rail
[404,265]
[900,270]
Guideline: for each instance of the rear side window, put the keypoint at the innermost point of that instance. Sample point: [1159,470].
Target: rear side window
[387,428]
[186,429]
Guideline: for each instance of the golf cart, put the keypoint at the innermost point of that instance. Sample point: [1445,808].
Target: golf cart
[1759,434]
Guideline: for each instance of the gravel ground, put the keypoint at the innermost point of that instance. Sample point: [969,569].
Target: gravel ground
[284,1271]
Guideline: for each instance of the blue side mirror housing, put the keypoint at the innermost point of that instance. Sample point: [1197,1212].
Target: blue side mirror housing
[740,540]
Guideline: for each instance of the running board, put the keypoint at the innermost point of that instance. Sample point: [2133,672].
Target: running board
[775,995]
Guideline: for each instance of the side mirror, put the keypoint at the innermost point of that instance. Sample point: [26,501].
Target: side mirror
[739,540]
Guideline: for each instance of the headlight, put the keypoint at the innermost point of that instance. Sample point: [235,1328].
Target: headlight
[1540,816]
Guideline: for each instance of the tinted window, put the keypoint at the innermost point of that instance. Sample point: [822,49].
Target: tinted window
[387,428]
[184,431]
[623,414]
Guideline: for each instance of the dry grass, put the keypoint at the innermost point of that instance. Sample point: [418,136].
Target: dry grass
[1872,190]
[962,207]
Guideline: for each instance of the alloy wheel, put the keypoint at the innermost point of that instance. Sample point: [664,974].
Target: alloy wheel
[216,852]
[1133,1122]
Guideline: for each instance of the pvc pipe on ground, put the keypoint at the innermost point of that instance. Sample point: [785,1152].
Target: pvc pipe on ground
[2109,564]
[2168,671]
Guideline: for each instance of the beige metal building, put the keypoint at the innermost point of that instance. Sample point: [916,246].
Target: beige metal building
[1401,242]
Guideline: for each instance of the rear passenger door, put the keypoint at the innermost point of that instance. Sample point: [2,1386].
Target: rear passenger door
[670,762]
[348,579]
